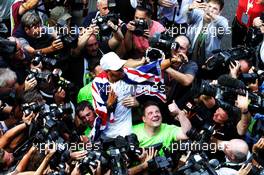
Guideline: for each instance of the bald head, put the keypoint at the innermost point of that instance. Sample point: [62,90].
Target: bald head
[236,150]
[184,43]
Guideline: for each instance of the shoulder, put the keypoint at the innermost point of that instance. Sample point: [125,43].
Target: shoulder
[137,129]
[157,26]
[169,128]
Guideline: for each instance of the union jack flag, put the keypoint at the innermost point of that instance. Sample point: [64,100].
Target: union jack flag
[145,76]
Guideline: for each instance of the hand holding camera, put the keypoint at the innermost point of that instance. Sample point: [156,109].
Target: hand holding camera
[30,83]
[179,58]
[197,4]
[57,44]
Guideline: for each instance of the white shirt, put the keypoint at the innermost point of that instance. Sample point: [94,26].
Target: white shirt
[122,124]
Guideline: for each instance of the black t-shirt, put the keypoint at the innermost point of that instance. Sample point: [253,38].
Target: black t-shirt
[43,41]
[177,92]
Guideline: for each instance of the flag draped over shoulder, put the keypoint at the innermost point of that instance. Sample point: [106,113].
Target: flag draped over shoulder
[146,77]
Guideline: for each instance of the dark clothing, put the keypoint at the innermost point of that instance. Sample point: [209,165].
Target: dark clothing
[88,19]
[37,43]
[239,33]
[199,55]
[178,91]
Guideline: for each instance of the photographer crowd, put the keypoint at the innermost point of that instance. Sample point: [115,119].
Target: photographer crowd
[137,87]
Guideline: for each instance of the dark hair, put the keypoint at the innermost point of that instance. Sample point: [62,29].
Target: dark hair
[82,105]
[146,7]
[30,19]
[149,103]
[220,2]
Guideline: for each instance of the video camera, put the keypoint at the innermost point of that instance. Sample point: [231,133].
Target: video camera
[68,40]
[225,93]
[164,42]
[48,63]
[249,78]
[220,61]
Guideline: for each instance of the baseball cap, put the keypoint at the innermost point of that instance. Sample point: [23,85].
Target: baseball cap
[59,12]
[111,61]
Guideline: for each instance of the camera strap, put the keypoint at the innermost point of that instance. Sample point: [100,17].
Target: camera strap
[175,9]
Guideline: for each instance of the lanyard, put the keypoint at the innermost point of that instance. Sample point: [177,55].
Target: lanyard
[249,5]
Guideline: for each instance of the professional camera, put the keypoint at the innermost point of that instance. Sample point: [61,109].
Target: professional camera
[61,156]
[58,111]
[164,42]
[90,160]
[49,63]
[7,48]
[68,40]
[140,25]
[249,78]
[40,76]
[203,136]
[101,21]
[32,107]
[197,164]
[62,82]
[225,93]
[219,63]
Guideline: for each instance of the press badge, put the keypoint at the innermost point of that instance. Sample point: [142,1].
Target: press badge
[245,18]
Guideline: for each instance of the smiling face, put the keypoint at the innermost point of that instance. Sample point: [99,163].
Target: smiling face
[152,116]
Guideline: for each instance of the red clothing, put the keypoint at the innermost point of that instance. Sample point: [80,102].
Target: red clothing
[253,12]
[141,43]
[15,15]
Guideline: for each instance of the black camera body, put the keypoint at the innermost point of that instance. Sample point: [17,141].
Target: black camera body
[140,25]
[219,63]
[62,82]
[164,42]
[68,40]
[32,107]
[101,22]
[40,76]
[46,61]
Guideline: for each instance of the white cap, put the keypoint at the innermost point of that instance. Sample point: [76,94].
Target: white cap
[111,61]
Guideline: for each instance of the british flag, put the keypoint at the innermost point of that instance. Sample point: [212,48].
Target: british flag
[145,76]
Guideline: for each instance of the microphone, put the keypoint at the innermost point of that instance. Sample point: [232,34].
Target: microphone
[226,80]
